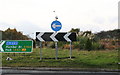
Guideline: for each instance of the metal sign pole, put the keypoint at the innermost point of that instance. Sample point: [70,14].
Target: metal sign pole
[70,50]
[56,46]
[56,26]
[40,50]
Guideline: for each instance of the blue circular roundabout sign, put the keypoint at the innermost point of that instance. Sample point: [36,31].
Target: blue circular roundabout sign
[56,25]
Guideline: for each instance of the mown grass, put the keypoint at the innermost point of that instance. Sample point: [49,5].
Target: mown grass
[82,59]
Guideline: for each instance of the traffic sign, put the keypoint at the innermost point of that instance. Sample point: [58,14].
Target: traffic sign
[12,46]
[56,25]
[51,36]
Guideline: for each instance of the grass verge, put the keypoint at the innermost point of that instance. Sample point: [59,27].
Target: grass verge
[81,59]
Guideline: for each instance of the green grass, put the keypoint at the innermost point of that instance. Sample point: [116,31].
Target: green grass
[82,59]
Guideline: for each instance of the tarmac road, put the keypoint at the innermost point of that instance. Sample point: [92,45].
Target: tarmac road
[36,72]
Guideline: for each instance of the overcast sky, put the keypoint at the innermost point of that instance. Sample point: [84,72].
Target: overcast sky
[30,16]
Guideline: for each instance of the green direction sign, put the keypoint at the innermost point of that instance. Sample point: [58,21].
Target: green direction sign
[16,46]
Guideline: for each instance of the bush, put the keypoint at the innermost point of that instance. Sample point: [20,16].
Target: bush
[52,45]
[82,42]
[96,46]
[60,44]
[76,44]
[88,45]
[66,46]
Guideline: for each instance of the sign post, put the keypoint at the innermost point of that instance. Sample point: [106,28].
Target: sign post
[56,26]
[56,46]
[70,50]
[16,46]
[40,50]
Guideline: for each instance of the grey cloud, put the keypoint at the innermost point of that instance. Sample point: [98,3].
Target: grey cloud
[28,27]
[99,20]
[113,19]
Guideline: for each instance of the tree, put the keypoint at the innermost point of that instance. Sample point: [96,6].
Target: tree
[13,34]
[77,30]
[111,34]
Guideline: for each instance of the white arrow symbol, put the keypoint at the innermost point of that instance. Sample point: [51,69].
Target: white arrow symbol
[39,36]
[66,37]
[54,25]
[53,37]
[1,49]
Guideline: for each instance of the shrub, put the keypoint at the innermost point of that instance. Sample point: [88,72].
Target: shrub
[66,46]
[60,44]
[96,46]
[76,45]
[52,45]
[88,45]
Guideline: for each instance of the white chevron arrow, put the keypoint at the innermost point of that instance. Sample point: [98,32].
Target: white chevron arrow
[66,37]
[1,49]
[54,25]
[53,37]
[39,36]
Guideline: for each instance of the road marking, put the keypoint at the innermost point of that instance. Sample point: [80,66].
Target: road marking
[16,74]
